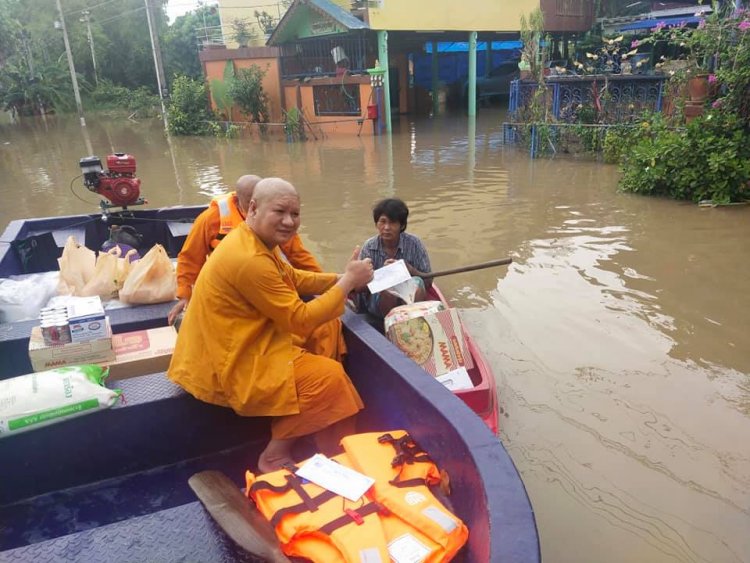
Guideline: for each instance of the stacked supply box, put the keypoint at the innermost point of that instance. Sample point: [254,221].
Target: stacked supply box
[75,334]
[86,319]
[44,356]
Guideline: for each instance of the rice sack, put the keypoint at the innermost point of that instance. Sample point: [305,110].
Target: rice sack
[39,399]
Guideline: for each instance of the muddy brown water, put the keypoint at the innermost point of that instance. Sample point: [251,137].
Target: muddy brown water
[619,336]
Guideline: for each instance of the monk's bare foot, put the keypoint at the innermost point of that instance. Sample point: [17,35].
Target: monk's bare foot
[266,464]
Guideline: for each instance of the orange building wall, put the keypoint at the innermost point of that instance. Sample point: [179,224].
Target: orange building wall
[327,124]
[271,83]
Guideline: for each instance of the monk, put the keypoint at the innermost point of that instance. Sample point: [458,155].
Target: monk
[240,344]
[223,214]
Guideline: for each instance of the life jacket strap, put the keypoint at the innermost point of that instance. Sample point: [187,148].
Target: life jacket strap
[416,482]
[407,450]
[316,501]
[357,516]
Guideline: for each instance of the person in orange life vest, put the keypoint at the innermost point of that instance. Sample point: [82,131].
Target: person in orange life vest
[240,344]
[210,227]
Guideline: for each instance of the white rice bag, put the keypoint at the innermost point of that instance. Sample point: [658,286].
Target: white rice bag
[39,399]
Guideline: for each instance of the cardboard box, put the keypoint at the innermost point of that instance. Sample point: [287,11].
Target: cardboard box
[142,352]
[435,341]
[86,319]
[44,357]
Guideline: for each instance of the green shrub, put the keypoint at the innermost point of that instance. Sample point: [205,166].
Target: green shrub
[247,92]
[189,112]
[108,95]
[708,160]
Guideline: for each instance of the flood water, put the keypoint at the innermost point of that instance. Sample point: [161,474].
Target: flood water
[619,336]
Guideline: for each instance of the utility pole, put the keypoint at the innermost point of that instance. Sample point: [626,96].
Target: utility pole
[160,81]
[71,66]
[86,19]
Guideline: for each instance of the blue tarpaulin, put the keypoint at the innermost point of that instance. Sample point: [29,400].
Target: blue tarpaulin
[668,22]
[463,46]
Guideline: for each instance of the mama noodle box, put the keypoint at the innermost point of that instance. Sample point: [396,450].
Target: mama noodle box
[44,356]
[142,352]
[435,341]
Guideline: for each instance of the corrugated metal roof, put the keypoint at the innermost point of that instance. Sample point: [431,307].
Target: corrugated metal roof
[324,7]
[339,14]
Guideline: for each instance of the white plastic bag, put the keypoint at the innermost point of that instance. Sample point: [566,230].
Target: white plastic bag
[21,299]
[39,399]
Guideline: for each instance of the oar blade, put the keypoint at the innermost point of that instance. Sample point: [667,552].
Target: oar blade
[236,516]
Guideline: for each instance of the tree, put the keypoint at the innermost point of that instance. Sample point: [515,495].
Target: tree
[182,41]
[247,92]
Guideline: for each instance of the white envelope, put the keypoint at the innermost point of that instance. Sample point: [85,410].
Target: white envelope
[388,276]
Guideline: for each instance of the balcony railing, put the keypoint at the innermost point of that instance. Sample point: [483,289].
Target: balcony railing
[323,56]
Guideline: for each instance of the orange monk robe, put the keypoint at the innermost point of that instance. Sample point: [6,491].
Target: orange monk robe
[198,246]
[235,346]
[328,340]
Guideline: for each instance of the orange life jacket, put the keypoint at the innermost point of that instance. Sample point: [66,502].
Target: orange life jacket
[408,524]
[229,216]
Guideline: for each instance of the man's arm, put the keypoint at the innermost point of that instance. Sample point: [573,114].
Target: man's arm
[260,282]
[191,258]
[193,255]
[419,262]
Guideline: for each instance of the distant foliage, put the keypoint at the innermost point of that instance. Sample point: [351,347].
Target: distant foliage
[247,92]
[108,95]
[47,90]
[189,112]
[180,47]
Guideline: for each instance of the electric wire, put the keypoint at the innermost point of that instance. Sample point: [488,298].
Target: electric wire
[75,194]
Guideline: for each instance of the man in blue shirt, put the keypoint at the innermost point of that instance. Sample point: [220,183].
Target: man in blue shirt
[391,244]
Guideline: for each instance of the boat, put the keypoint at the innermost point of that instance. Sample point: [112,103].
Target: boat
[482,398]
[114,483]
[169,227]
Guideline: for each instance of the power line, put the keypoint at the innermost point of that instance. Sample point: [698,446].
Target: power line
[91,7]
[121,15]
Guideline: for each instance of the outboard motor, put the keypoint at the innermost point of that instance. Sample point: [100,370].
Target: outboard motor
[117,184]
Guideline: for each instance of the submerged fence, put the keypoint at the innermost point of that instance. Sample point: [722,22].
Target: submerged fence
[583,105]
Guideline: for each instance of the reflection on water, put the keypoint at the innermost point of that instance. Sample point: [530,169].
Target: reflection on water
[619,335]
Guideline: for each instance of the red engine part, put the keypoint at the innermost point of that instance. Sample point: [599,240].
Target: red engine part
[121,163]
[121,191]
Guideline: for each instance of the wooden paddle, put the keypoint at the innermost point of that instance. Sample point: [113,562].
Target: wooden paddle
[471,268]
[236,516]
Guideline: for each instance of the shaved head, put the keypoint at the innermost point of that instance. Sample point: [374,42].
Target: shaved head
[244,189]
[274,212]
[272,188]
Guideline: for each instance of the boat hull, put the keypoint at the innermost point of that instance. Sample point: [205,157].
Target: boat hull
[115,481]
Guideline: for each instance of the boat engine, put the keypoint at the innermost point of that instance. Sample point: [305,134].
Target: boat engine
[118,183]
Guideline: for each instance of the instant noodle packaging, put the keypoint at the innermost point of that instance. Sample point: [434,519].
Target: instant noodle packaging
[434,340]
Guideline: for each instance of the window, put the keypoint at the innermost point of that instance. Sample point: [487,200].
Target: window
[337,99]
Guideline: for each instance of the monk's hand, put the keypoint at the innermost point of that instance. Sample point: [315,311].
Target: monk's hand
[357,274]
[176,310]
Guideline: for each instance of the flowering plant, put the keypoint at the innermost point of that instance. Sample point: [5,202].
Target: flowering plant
[610,57]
